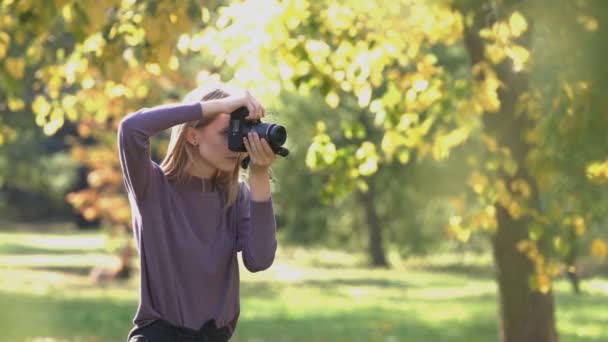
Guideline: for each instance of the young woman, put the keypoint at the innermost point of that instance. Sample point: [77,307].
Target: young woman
[191,215]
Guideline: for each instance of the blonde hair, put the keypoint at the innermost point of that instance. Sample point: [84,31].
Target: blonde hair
[181,154]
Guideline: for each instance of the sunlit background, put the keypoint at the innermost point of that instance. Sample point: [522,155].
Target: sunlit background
[447,178]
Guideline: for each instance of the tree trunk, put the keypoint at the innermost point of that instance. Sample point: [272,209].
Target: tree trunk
[526,315]
[570,261]
[376,246]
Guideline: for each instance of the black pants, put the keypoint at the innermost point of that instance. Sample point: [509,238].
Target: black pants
[161,331]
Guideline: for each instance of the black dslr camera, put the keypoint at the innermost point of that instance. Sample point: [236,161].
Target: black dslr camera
[238,128]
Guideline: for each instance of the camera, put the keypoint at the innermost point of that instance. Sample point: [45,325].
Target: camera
[239,127]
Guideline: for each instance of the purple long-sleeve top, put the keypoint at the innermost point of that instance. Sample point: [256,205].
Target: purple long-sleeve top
[187,245]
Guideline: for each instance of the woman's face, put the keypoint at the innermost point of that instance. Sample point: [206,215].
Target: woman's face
[212,143]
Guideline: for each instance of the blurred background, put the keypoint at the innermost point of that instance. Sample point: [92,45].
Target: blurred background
[447,178]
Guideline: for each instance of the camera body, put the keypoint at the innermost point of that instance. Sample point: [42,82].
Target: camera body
[239,127]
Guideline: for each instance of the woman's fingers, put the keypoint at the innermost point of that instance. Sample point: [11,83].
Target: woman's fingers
[259,150]
[266,148]
[256,110]
[254,140]
[261,110]
[244,98]
[247,147]
[250,109]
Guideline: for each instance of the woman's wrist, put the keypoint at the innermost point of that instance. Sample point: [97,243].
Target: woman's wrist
[256,170]
[259,181]
[211,107]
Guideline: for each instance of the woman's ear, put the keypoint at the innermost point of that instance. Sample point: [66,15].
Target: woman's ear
[191,136]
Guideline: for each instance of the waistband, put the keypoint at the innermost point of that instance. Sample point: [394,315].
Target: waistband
[208,332]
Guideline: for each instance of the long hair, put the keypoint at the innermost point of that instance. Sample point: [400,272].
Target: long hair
[181,155]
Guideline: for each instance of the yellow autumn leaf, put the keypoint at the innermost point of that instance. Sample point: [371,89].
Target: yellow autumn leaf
[320,126]
[153,68]
[390,142]
[40,106]
[173,63]
[55,122]
[368,167]
[311,158]
[487,90]
[597,172]
[477,181]
[588,22]
[515,210]
[84,130]
[95,178]
[68,103]
[54,86]
[486,33]
[368,158]
[329,153]
[15,104]
[403,156]
[364,96]
[90,213]
[5,42]
[517,24]
[15,67]
[519,55]
[332,99]
[524,246]
[522,187]
[502,32]
[579,225]
[362,185]
[495,53]
[598,248]
[94,43]
[544,283]
[464,235]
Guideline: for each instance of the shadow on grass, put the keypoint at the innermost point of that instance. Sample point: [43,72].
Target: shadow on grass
[72,270]
[25,317]
[19,249]
[479,272]
[357,282]
[332,287]
[371,324]
[331,265]
[582,317]
[102,319]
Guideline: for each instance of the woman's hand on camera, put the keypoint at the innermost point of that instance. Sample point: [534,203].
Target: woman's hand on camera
[259,151]
[256,110]
[238,98]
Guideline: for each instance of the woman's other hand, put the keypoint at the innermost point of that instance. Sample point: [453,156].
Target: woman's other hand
[259,151]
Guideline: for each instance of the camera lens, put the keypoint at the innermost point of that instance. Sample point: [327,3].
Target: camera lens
[277,135]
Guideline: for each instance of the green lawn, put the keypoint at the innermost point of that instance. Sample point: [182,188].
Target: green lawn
[308,295]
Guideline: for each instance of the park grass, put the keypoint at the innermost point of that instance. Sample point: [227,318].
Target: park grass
[309,294]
